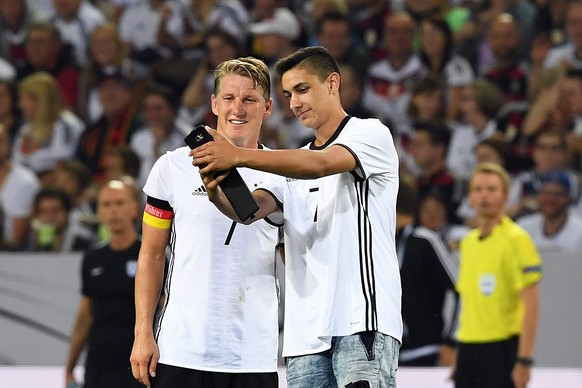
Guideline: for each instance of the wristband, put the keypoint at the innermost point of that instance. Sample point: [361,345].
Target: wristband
[525,361]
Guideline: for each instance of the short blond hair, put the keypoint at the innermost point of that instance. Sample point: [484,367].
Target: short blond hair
[248,67]
[491,168]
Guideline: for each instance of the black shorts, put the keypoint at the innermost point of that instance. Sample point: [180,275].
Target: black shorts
[168,376]
[110,379]
[487,365]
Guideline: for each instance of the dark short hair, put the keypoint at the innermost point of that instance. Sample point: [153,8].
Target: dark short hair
[333,16]
[226,37]
[130,161]
[79,170]
[439,133]
[52,193]
[168,94]
[315,60]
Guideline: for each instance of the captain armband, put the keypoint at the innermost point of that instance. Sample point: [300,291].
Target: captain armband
[158,214]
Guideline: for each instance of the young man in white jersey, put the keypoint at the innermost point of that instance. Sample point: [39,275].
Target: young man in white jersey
[219,324]
[343,325]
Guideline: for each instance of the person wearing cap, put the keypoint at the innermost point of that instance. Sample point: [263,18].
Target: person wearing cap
[549,153]
[499,272]
[554,226]
[276,35]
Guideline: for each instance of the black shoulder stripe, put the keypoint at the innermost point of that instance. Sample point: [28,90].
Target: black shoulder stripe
[160,204]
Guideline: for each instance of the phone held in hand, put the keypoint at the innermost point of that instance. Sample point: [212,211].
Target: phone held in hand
[233,186]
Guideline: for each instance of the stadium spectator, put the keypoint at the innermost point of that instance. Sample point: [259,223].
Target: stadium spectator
[549,154]
[429,146]
[115,127]
[53,230]
[550,21]
[439,60]
[509,72]
[567,55]
[389,81]
[75,179]
[351,92]
[121,161]
[76,20]
[276,36]
[106,56]
[46,52]
[481,101]
[18,187]
[50,132]
[219,46]
[334,32]
[428,272]
[202,16]
[152,30]
[15,18]
[554,226]
[10,115]
[161,132]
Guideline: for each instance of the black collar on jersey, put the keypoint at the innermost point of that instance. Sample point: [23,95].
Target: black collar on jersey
[339,129]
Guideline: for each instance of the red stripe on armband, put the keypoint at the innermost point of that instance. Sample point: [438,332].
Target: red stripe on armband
[159,213]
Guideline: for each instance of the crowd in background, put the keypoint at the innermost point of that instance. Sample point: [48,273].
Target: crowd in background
[94,90]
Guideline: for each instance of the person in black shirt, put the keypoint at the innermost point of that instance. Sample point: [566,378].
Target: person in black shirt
[428,272]
[106,314]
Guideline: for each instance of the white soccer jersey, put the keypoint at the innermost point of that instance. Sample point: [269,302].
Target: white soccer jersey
[342,273]
[221,308]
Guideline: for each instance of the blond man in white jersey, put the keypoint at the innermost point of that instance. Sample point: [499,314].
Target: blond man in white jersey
[343,325]
[219,324]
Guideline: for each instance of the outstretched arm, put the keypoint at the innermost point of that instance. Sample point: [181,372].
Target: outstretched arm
[220,155]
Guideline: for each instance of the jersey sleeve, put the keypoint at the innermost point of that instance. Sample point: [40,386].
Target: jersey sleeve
[529,263]
[159,182]
[372,145]
[274,185]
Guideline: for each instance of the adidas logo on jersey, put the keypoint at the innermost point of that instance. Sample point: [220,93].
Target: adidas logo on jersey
[200,191]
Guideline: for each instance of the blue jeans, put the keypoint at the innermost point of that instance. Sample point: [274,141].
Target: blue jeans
[362,360]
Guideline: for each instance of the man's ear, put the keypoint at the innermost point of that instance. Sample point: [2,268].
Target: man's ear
[333,81]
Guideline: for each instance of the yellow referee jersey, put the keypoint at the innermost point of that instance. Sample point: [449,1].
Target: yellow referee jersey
[492,273]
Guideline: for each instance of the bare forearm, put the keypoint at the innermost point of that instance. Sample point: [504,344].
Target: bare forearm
[148,285]
[78,339]
[300,164]
[530,324]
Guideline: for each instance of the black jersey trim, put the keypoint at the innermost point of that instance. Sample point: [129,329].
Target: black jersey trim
[159,203]
[357,176]
[272,195]
[272,223]
[366,259]
[337,132]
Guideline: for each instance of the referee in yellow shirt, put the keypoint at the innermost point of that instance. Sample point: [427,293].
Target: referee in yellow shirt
[498,284]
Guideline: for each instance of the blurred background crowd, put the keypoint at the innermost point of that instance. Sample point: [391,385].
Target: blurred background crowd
[94,90]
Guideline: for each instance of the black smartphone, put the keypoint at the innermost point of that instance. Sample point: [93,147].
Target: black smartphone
[233,186]
[197,137]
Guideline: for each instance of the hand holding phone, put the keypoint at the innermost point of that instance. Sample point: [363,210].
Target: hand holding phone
[233,186]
